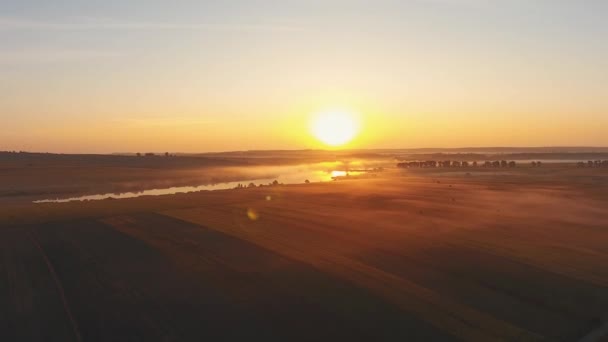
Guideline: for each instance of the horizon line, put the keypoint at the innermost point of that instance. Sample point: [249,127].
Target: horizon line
[318,150]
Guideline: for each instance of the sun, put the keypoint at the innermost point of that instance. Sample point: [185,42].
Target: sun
[335,127]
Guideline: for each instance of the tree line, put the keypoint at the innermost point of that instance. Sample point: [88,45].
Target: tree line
[593,163]
[455,163]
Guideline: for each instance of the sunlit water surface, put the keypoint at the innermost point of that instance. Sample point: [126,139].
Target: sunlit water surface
[286,175]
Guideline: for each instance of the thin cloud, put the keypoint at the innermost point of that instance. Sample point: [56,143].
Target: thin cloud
[52,55]
[165,121]
[12,24]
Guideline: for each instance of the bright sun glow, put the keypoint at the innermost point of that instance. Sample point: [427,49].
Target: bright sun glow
[335,128]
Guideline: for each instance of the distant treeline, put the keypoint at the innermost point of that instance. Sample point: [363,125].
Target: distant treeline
[456,163]
[593,163]
[503,150]
[511,156]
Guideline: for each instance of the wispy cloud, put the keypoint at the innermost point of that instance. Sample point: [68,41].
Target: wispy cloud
[460,2]
[36,54]
[14,23]
[53,55]
[170,121]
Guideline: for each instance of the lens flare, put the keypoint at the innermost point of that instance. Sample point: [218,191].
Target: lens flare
[252,214]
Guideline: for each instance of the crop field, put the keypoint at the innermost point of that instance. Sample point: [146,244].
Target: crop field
[402,256]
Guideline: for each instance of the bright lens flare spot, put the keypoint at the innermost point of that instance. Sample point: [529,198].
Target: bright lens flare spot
[252,214]
[335,128]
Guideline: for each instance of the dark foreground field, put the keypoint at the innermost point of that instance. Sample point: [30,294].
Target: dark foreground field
[403,256]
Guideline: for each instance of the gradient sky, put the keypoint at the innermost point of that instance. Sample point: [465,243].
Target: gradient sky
[110,76]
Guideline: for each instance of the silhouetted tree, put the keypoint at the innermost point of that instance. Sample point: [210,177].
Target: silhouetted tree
[474,164]
[307,181]
[512,163]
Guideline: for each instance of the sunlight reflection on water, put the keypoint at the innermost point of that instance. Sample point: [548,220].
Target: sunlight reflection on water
[324,172]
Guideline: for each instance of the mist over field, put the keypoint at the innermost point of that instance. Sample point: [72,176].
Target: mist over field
[368,249]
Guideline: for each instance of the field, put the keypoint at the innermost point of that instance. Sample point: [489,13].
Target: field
[419,255]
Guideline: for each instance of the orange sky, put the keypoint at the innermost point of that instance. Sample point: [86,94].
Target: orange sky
[213,77]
